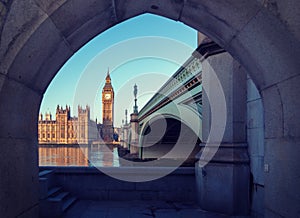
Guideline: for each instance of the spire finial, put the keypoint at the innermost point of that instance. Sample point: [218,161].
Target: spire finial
[107,76]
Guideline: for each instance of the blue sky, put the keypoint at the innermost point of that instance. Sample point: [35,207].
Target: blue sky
[145,50]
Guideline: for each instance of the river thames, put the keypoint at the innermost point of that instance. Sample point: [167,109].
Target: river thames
[93,155]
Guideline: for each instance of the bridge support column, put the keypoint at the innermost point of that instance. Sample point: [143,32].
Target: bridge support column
[125,136]
[134,125]
[223,179]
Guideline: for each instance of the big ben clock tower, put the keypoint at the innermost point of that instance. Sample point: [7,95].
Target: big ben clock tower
[108,110]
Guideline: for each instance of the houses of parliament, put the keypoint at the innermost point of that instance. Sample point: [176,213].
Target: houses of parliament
[65,129]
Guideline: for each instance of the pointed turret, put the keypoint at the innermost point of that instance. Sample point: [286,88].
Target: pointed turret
[108,85]
[107,79]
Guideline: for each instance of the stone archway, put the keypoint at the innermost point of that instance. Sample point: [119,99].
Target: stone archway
[37,37]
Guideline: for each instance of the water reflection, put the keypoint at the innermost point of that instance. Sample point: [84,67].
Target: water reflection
[92,155]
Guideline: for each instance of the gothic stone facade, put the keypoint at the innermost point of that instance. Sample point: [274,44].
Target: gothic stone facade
[107,110]
[66,129]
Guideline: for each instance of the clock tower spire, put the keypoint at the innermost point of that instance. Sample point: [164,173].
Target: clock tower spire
[108,110]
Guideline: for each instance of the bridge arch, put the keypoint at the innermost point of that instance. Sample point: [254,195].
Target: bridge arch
[37,37]
[168,136]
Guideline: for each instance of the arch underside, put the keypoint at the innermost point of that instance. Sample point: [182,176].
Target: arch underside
[68,25]
[168,137]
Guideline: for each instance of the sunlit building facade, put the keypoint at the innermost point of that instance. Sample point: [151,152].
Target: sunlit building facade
[66,129]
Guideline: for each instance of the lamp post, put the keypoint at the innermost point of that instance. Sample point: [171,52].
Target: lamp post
[135,107]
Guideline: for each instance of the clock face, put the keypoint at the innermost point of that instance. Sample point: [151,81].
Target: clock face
[107,96]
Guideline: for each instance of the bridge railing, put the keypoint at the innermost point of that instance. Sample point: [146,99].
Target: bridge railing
[191,70]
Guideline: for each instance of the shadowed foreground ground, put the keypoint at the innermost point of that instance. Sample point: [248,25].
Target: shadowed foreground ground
[137,209]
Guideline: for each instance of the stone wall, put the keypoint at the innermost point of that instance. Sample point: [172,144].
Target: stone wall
[91,184]
[287,11]
[255,140]
[223,170]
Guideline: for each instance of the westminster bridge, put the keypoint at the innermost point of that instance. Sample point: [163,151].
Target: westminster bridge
[173,115]
[198,117]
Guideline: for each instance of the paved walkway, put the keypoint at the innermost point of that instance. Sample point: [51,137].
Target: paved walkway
[136,209]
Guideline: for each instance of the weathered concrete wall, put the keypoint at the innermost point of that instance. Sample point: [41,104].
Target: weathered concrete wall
[91,184]
[287,12]
[281,120]
[18,145]
[255,140]
[226,173]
